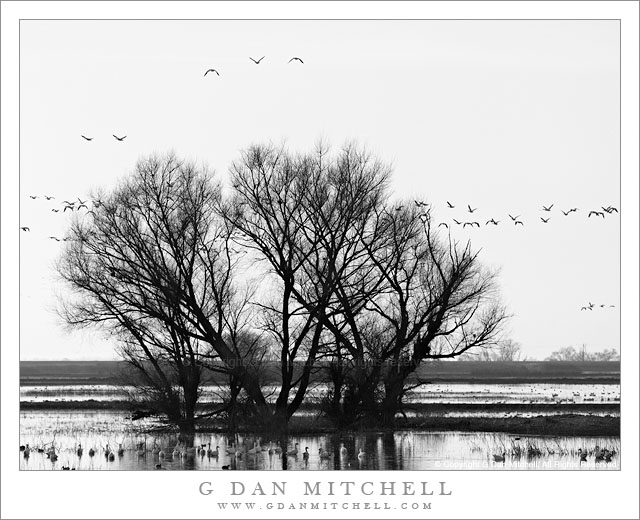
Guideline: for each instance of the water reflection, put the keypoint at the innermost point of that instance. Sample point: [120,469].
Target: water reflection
[402,450]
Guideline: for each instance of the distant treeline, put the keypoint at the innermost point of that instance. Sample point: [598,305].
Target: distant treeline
[111,372]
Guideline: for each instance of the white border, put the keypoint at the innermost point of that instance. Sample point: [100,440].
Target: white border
[175,495]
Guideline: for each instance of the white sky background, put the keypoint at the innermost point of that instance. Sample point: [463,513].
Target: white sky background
[505,116]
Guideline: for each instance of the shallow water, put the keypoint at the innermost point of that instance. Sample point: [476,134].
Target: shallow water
[402,450]
[451,393]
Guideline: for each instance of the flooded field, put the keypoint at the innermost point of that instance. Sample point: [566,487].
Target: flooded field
[441,393]
[402,450]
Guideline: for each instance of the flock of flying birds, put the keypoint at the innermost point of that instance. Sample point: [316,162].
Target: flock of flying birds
[257,62]
[515,219]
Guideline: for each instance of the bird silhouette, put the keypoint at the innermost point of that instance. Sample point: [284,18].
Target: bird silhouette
[450,205]
[212,70]
[609,209]
[518,222]
[82,206]
[81,201]
[499,458]
[471,224]
[119,138]
[492,221]
[55,238]
[295,59]
[586,309]
[67,207]
[33,196]
[48,197]
[545,208]
[545,220]
[25,228]
[565,213]
[443,224]
[257,62]
[471,210]
[514,218]
[55,210]
[457,222]
[573,209]
[86,138]
[596,213]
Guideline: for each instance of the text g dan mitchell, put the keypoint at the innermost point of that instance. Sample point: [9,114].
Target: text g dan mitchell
[327,488]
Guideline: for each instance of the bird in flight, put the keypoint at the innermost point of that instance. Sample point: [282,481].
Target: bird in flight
[48,197]
[450,205]
[565,213]
[86,138]
[66,208]
[457,222]
[25,228]
[55,210]
[33,196]
[470,224]
[545,208]
[443,224]
[471,210]
[257,62]
[573,209]
[399,208]
[81,201]
[212,70]
[609,209]
[82,206]
[119,138]
[296,59]
[492,221]
[545,220]
[55,238]
[586,309]
[518,222]
[514,218]
[596,213]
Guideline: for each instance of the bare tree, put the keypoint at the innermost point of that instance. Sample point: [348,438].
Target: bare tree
[571,354]
[152,265]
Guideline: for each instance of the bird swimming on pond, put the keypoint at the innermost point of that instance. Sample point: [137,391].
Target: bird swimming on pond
[582,455]
[295,59]
[86,138]
[499,458]
[119,138]
[212,70]
[257,62]
[545,208]
[120,450]
[294,451]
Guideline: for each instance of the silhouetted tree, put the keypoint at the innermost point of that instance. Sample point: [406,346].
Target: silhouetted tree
[151,264]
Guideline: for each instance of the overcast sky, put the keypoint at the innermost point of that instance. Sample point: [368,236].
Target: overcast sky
[506,116]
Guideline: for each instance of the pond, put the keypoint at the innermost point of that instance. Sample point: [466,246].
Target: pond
[401,450]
